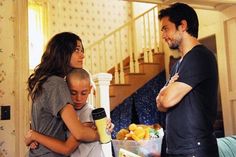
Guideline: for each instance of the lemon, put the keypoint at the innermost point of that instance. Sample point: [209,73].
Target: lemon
[132,127]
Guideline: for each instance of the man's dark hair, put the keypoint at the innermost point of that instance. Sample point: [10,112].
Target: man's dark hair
[178,12]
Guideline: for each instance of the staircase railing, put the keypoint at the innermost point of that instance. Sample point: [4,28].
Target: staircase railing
[139,35]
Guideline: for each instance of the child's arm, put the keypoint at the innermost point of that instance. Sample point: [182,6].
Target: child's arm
[58,146]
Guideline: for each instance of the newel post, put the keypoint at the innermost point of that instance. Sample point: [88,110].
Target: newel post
[102,99]
[102,82]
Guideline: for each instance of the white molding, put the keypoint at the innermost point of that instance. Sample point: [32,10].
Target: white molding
[21,74]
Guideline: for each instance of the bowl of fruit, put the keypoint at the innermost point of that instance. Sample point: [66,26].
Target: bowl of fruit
[141,140]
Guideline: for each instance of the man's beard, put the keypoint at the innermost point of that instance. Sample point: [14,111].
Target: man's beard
[174,46]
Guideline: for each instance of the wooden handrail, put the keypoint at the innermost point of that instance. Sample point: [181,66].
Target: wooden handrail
[119,28]
[138,40]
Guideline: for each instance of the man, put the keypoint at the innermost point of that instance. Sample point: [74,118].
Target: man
[189,98]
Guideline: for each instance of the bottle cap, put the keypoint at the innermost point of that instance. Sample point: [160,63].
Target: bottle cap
[98,113]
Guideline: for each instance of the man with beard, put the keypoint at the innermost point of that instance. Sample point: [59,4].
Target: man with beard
[189,98]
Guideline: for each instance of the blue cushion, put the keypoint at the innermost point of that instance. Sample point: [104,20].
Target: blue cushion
[227,146]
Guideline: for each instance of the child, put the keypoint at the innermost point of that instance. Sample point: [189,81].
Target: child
[80,86]
[79,83]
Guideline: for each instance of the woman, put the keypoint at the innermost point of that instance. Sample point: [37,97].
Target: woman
[52,108]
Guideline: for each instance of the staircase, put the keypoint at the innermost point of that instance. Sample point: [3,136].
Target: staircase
[134,81]
[130,53]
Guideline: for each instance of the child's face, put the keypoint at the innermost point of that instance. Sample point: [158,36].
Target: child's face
[80,89]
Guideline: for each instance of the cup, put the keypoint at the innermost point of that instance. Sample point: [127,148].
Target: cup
[100,118]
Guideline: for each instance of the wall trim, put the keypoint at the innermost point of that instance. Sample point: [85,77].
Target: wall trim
[21,111]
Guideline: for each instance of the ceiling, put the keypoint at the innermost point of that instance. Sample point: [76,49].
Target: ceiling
[198,4]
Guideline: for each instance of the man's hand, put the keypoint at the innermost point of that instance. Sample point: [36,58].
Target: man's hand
[173,79]
[158,101]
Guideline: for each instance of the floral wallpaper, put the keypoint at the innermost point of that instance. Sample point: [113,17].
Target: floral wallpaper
[91,20]
[7,67]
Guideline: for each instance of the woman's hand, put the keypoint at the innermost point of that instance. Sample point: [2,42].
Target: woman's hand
[90,124]
[28,137]
[34,145]
[29,141]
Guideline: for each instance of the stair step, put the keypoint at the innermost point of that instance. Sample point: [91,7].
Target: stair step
[150,68]
[134,81]
[126,69]
[125,64]
[113,87]
[157,58]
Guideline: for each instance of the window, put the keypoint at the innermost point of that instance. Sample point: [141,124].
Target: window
[37,24]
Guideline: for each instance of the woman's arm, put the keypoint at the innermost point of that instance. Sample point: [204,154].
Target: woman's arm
[58,146]
[77,129]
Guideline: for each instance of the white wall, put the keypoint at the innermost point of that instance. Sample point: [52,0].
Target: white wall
[227,68]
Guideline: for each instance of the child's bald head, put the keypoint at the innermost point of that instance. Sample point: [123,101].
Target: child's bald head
[78,74]
[79,83]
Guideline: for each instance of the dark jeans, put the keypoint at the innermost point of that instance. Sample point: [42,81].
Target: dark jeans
[199,152]
[169,155]
[208,148]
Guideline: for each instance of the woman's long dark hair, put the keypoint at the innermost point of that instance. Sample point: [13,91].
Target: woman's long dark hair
[55,61]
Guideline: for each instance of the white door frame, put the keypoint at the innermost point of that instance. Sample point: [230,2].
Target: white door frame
[21,111]
[227,71]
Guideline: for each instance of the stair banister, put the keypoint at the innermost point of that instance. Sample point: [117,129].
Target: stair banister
[119,28]
[122,76]
[130,49]
[150,55]
[112,45]
[155,31]
[105,56]
[135,47]
[145,40]
[100,60]
[117,77]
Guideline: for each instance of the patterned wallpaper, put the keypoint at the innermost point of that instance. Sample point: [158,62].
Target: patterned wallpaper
[7,66]
[90,19]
